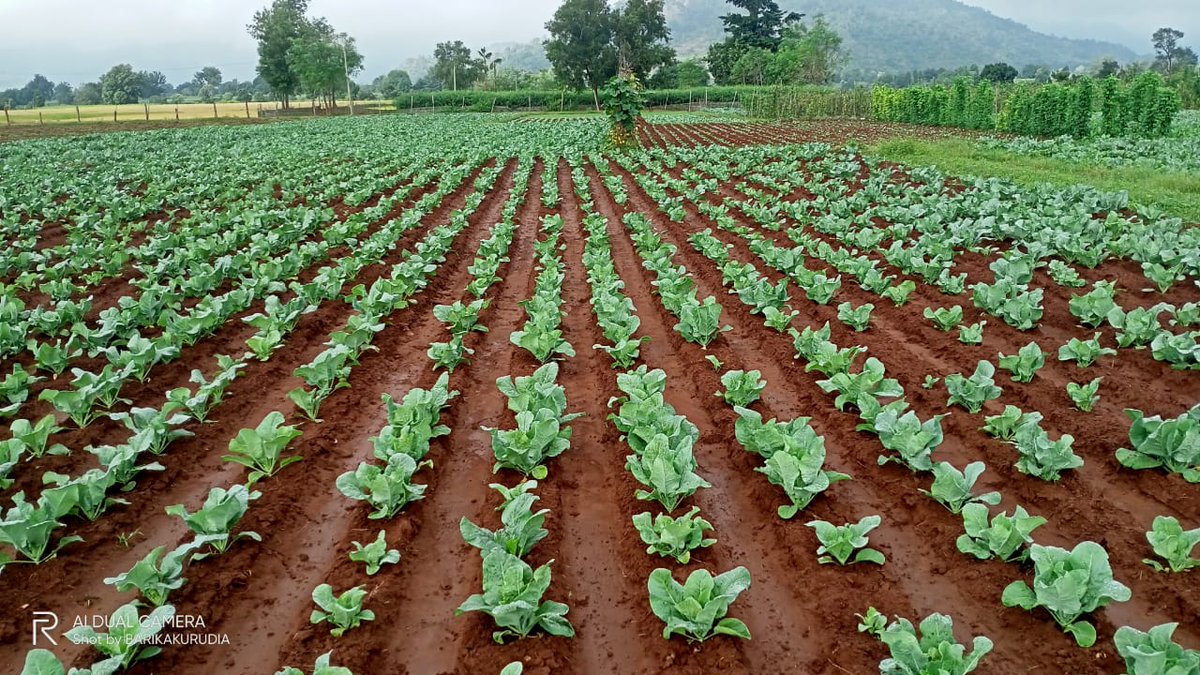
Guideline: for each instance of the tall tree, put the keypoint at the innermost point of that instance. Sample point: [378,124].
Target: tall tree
[277,28]
[454,65]
[641,37]
[580,47]
[63,94]
[36,92]
[321,59]
[89,93]
[210,75]
[808,54]
[391,85]
[590,41]
[120,85]
[490,63]
[1166,47]
[154,83]
[998,73]
[762,25]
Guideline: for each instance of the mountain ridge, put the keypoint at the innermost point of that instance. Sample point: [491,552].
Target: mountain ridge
[903,35]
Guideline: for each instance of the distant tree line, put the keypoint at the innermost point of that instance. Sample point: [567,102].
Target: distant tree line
[589,42]
[122,84]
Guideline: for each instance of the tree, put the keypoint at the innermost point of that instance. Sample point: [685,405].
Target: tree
[641,38]
[63,94]
[89,93]
[808,54]
[154,83]
[686,74]
[753,67]
[454,66]
[120,85]
[277,28]
[1108,68]
[36,92]
[998,73]
[761,27]
[490,64]
[207,75]
[691,73]
[321,59]
[590,42]
[580,46]
[1167,49]
[391,85]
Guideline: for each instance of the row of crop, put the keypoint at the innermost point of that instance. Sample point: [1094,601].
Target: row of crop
[404,441]
[92,392]
[1143,108]
[662,441]
[914,440]
[153,429]
[1009,298]
[1038,454]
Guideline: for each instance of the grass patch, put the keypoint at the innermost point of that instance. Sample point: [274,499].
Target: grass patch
[1178,194]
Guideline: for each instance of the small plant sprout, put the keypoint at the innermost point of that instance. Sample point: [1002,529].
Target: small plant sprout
[341,612]
[1173,544]
[934,651]
[375,554]
[1085,396]
[846,544]
[259,449]
[125,539]
[696,609]
[674,537]
[971,334]
[952,488]
[742,388]
[857,318]
[320,667]
[1025,363]
[714,361]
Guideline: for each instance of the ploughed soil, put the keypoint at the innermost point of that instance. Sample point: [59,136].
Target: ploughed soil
[256,597]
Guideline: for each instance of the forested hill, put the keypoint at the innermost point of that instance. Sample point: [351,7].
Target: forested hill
[902,35]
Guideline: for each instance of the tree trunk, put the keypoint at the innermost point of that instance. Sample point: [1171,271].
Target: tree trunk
[596,96]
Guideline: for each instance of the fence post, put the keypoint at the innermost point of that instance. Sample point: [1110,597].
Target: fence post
[114,114]
[176,113]
[78,118]
[247,109]
[146,110]
[214,110]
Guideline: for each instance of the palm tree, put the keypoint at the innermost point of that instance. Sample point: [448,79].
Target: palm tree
[489,63]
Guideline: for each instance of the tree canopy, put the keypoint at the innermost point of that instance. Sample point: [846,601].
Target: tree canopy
[590,42]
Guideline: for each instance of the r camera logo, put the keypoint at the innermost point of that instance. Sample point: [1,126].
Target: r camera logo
[43,623]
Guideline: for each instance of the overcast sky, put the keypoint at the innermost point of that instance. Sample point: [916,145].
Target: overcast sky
[77,40]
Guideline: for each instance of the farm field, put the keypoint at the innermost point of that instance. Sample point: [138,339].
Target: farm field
[387,284]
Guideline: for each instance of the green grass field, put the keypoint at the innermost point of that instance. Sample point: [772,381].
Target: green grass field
[1178,194]
[135,112]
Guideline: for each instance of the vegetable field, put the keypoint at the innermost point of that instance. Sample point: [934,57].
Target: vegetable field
[437,394]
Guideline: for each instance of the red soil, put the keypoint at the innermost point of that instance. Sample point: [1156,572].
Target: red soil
[801,613]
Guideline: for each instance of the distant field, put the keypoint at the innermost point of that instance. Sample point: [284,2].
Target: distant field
[139,112]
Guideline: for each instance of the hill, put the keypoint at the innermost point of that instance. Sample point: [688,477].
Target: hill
[902,35]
